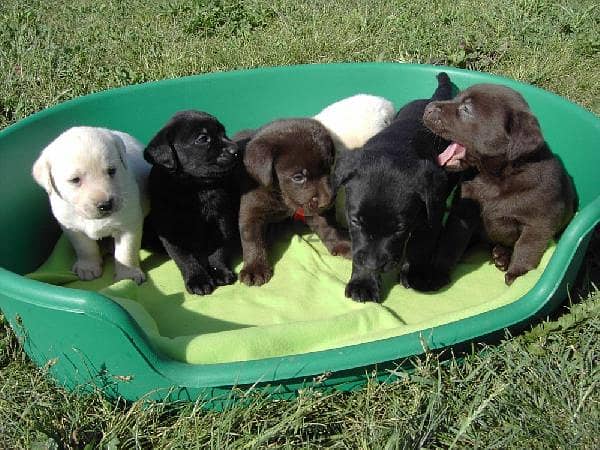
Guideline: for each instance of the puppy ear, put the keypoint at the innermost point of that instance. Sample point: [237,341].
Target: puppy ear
[159,151]
[121,148]
[41,173]
[344,168]
[432,193]
[524,134]
[258,159]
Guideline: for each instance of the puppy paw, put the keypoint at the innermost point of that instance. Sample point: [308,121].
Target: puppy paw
[87,270]
[363,290]
[501,257]
[222,276]
[256,274]
[513,274]
[342,248]
[200,284]
[123,272]
[423,281]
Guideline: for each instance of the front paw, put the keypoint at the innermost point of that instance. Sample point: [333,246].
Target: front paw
[513,274]
[87,269]
[200,284]
[363,290]
[222,276]
[342,248]
[256,274]
[123,272]
[501,257]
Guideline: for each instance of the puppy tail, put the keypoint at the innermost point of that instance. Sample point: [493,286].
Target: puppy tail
[444,89]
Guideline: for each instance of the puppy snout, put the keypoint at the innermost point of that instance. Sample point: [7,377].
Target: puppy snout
[105,206]
[432,112]
[371,261]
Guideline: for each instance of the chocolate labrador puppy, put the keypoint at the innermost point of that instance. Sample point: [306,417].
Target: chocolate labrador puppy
[520,193]
[194,196]
[395,200]
[288,166]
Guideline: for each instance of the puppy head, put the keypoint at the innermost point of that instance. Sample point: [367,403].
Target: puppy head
[293,156]
[491,123]
[86,167]
[193,144]
[385,203]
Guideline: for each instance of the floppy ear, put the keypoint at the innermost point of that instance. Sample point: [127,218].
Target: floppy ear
[121,148]
[159,151]
[41,173]
[524,134]
[344,168]
[432,193]
[258,159]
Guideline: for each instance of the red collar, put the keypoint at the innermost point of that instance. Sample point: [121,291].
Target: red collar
[299,215]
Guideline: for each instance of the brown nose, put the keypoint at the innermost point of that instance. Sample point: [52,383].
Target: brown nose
[432,111]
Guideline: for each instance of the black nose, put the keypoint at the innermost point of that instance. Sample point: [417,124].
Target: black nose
[106,206]
[371,261]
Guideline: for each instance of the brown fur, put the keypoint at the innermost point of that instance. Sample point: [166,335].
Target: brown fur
[275,155]
[524,194]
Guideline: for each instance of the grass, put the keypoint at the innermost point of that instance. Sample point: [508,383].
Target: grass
[537,390]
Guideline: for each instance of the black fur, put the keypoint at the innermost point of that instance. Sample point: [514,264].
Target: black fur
[395,200]
[194,196]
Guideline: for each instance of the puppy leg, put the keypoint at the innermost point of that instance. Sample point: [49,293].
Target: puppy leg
[88,265]
[197,279]
[528,251]
[127,255]
[323,226]
[419,273]
[256,270]
[364,285]
[218,260]
[462,223]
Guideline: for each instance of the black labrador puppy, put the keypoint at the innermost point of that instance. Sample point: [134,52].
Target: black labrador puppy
[395,200]
[194,195]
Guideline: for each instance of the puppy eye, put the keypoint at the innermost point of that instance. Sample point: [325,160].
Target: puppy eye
[203,139]
[111,171]
[355,222]
[299,178]
[75,180]
[465,110]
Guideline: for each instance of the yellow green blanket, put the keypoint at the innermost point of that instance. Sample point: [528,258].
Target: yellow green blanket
[302,309]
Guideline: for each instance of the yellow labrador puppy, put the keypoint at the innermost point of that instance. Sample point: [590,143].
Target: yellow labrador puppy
[96,181]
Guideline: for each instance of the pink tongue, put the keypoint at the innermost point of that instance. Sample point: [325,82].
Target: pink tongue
[454,152]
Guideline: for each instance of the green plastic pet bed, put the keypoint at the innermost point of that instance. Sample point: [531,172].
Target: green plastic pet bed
[156,341]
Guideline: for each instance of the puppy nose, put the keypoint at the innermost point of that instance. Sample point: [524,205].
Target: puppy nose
[313,203]
[232,149]
[431,110]
[105,206]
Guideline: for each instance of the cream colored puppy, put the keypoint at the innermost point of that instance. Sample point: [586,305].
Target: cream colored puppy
[96,181]
[351,122]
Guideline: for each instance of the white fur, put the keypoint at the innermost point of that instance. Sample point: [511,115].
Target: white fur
[354,120]
[351,122]
[88,153]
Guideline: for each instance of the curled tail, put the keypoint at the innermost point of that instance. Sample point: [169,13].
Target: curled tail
[444,89]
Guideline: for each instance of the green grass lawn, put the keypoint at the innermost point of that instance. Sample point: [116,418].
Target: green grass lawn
[537,390]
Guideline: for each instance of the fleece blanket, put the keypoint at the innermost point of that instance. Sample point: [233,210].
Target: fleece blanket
[302,309]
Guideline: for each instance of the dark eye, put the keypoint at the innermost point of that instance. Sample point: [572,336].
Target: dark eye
[75,180]
[299,178]
[465,110]
[355,222]
[111,171]
[203,139]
